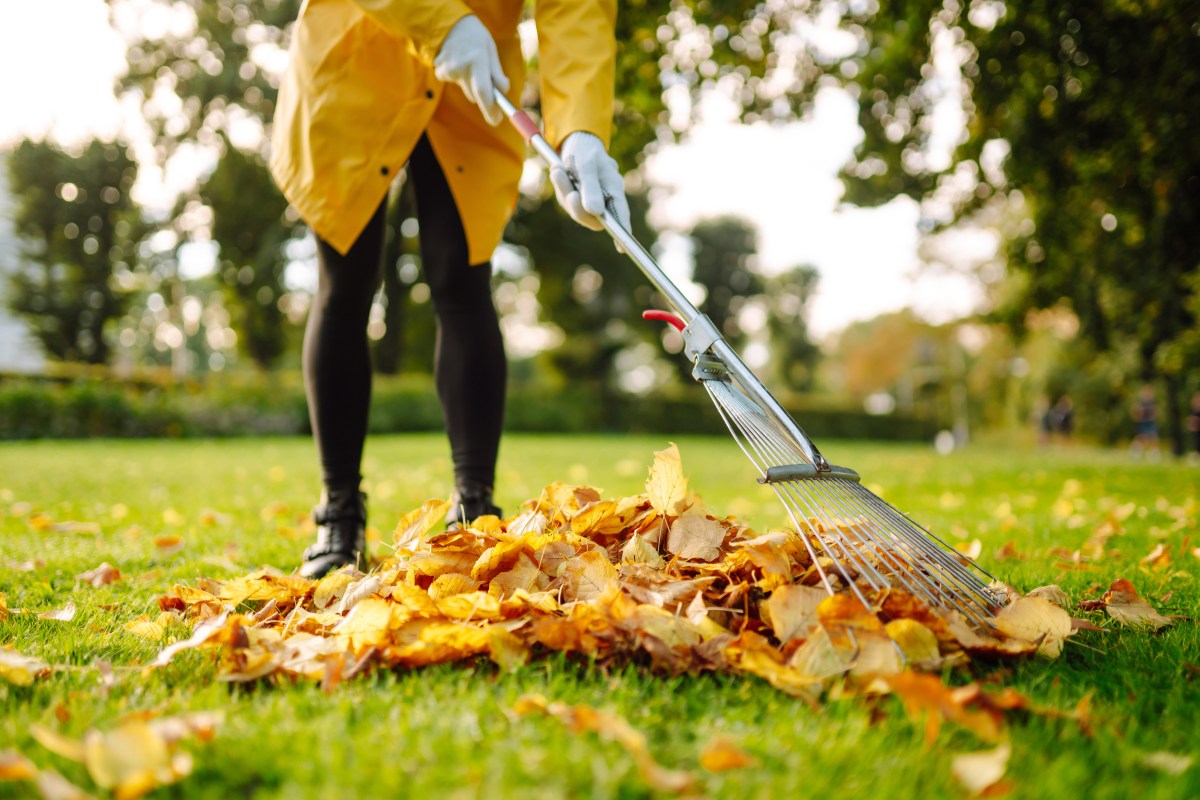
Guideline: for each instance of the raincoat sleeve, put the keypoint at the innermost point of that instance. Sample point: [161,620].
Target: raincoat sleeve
[577,50]
[426,22]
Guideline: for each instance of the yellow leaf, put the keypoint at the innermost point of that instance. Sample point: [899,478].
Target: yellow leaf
[506,648]
[56,743]
[20,669]
[451,584]
[639,551]
[696,537]
[666,487]
[331,588]
[500,558]
[979,771]
[1034,619]
[367,624]
[918,643]
[16,767]
[597,518]
[131,760]
[524,575]
[147,629]
[721,754]
[413,526]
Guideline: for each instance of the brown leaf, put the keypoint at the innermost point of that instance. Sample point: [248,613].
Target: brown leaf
[1127,607]
[792,612]
[588,575]
[666,487]
[100,576]
[696,537]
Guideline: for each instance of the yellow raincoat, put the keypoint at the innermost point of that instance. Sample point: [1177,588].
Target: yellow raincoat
[360,91]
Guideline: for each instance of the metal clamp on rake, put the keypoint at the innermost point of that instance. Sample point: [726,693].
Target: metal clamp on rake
[872,546]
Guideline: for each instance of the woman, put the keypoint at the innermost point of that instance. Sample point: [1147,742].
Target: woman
[377,84]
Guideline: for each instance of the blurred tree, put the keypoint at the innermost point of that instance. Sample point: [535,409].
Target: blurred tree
[794,355]
[1070,113]
[250,227]
[587,289]
[722,256]
[78,229]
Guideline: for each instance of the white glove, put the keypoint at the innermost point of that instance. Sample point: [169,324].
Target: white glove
[596,177]
[469,58]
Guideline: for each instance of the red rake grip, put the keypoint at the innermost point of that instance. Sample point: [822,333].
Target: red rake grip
[525,125]
[664,316]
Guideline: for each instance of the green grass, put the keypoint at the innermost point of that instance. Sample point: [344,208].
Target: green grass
[444,732]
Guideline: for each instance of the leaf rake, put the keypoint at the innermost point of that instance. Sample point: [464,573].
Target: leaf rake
[855,539]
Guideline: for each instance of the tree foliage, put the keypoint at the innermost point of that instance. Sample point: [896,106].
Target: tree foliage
[1093,105]
[77,226]
[251,227]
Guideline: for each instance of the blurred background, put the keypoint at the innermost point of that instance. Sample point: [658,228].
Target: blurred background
[937,221]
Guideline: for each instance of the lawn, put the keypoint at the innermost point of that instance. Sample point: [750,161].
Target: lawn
[449,731]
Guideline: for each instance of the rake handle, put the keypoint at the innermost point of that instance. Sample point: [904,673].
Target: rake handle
[687,312]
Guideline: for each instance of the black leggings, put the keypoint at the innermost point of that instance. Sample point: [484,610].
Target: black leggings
[469,363]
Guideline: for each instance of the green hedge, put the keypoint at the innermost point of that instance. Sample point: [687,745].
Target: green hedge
[252,405]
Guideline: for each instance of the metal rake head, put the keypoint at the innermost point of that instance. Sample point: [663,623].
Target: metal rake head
[853,537]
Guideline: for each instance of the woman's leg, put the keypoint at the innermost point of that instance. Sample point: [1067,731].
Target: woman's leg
[469,363]
[337,382]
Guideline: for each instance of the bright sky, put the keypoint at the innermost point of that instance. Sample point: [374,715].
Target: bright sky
[58,58]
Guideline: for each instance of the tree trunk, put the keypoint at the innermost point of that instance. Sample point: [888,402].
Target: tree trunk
[1174,413]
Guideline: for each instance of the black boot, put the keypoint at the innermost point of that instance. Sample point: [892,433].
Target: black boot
[470,501]
[341,534]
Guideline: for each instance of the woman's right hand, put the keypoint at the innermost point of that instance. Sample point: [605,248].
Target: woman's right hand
[468,57]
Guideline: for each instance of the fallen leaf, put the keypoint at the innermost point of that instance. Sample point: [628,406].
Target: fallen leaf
[976,772]
[666,487]
[168,545]
[16,767]
[1124,605]
[696,537]
[100,576]
[1166,762]
[413,526]
[722,754]
[581,718]
[53,786]
[64,614]
[1052,593]
[146,628]
[20,669]
[1036,620]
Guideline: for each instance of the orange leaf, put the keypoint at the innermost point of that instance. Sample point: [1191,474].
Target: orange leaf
[721,754]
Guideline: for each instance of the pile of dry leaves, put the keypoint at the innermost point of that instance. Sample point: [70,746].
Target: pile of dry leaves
[653,577]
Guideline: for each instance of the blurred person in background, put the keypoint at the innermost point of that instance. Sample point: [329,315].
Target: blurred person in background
[1145,424]
[373,87]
